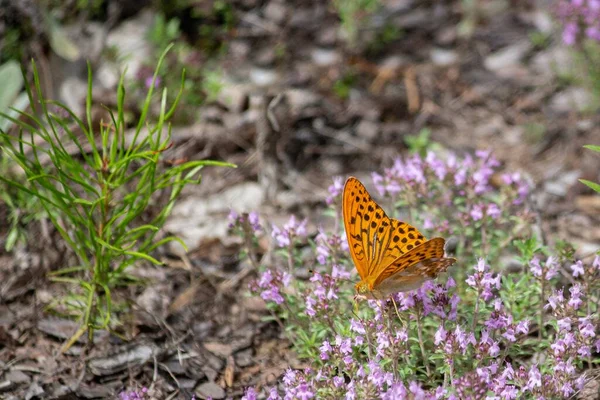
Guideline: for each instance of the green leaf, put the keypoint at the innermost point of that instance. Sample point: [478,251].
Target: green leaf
[591,184]
[60,42]
[11,239]
[129,253]
[592,147]
[11,81]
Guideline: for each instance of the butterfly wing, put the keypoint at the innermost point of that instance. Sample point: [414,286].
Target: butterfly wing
[375,240]
[410,270]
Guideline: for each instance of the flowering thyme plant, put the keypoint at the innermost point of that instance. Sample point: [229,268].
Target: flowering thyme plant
[580,20]
[482,332]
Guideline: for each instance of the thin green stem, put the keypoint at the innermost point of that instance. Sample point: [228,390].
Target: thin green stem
[542,302]
[422,343]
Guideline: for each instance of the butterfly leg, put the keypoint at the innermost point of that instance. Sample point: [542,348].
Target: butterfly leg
[402,322]
[355,304]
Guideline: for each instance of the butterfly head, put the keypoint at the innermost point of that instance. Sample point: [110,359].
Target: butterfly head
[363,289]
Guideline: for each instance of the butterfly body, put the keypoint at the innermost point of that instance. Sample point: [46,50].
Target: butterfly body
[390,255]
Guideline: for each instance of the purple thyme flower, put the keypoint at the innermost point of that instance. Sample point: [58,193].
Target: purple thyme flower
[291,230]
[335,190]
[577,268]
[579,18]
[148,82]
[249,394]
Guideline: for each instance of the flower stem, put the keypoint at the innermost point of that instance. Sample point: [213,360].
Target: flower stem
[421,343]
[476,312]
[543,295]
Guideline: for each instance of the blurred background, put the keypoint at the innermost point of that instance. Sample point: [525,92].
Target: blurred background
[295,93]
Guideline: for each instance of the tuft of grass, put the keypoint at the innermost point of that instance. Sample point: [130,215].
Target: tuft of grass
[100,196]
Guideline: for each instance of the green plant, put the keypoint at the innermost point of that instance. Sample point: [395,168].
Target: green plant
[12,97]
[540,40]
[212,84]
[22,208]
[344,85]
[467,25]
[591,184]
[420,143]
[384,37]
[13,100]
[479,332]
[353,14]
[12,46]
[201,83]
[163,31]
[587,56]
[101,199]
[534,132]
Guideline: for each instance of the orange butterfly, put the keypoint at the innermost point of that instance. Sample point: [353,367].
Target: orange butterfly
[390,255]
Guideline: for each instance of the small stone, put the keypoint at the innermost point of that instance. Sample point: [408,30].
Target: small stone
[210,389]
[244,358]
[201,329]
[263,77]
[572,99]
[239,49]
[153,304]
[493,126]
[255,304]
[300,99]
[218,349]
[174,366]
[368,130]
[7,385]
[107,76]
[73,92]
[130,42]
[275,11]
[443,57]
[265,57]
[561,185]
[394,62]
[186,383]
[585,124]
[197,221]
[327,36]
[556,60]
[446,36]
[234,96]
[18,377]
[543,21]
[508,56]
[34,391]
[325,57]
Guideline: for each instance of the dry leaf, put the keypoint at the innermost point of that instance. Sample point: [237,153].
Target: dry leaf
[229,371]
[184,299]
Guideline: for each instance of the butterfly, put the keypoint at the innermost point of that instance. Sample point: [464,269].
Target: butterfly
[391,256]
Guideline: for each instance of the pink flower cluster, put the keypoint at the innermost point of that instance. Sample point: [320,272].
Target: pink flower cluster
[360,363]
[270,284]
[458,190]
[141,394]
[237,221]
[321,297]
[291,230]
[330,247]
[580,18]
[417,172]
